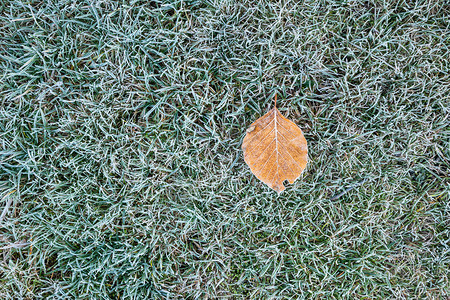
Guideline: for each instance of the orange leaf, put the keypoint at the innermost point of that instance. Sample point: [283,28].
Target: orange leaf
[275,150]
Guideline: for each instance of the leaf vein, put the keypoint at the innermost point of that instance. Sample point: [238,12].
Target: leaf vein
[270,156]
[291,156]
[259,132]
[262,152]
[260,141]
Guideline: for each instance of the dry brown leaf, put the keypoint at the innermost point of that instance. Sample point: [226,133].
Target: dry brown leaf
[275,150]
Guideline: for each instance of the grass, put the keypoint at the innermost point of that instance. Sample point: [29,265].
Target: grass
[121,173]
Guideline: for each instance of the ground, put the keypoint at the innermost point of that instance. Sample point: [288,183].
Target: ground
[121,169]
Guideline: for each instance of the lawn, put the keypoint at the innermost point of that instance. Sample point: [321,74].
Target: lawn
[121,169]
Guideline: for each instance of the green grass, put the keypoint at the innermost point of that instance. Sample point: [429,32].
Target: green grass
[121,173]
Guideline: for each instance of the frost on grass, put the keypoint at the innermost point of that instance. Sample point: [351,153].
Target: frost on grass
[121,126]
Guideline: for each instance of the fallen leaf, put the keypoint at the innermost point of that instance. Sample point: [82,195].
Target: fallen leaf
[275,149]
